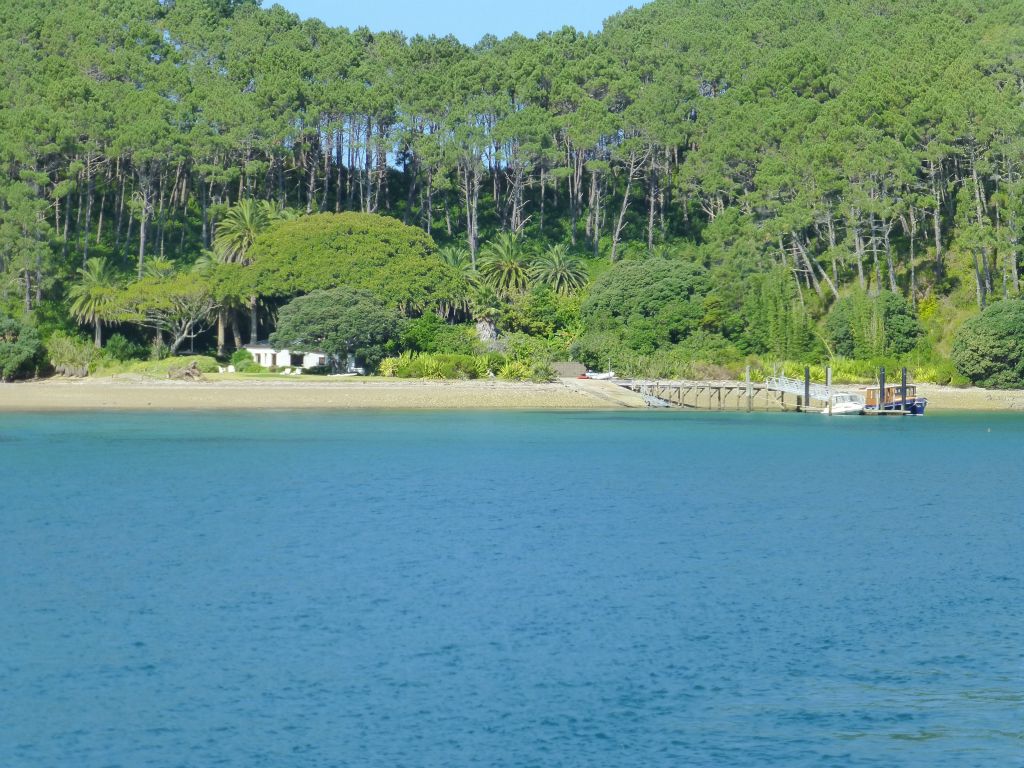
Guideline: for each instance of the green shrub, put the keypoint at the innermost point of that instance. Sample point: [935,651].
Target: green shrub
[156,368]
[430,333]
[540,312]
[21,350]
[425,366]
[520,346]
[120,349]
[940,372]
[515,370]
[204,363]
[158,350]
[240,356]
[542,372]
[248,365]
[988,349]
[69,355]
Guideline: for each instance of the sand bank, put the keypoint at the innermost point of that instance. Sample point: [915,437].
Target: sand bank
[221,393]
[227,392]
[971,398]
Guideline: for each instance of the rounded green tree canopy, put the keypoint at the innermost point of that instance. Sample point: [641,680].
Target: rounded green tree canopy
[399,264]
[20,348]
[989,349]
[657,299]
[339,322]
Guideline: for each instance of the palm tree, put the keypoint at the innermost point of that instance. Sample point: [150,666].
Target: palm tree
[458,257]
[204,266]
[505,266]
[240,227]
[236,232]
[204,263]
[158,268]
[485,307]
[560,270]
[92,297]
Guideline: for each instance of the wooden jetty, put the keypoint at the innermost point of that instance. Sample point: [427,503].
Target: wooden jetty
[716,395]
[777,393]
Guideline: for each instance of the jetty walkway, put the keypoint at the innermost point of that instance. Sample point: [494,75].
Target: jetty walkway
[711,395]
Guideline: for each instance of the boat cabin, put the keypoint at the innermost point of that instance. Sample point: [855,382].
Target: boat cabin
[893,395]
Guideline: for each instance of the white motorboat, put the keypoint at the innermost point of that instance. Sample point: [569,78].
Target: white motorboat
[845,404]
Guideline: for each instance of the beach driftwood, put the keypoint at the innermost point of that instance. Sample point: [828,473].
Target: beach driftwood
[190,372]
[72,371]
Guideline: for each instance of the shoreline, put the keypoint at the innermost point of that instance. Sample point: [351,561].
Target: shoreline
[215,393]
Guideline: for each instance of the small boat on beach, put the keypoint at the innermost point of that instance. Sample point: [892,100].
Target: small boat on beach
[896,399]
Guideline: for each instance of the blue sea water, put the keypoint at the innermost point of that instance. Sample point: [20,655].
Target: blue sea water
[511,589]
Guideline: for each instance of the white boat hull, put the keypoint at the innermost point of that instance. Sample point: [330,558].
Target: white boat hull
[845,409]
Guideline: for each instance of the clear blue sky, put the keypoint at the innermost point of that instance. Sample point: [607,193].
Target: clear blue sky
[468,21]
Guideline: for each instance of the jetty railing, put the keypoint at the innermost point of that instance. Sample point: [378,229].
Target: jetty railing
[798,387]
[711,395]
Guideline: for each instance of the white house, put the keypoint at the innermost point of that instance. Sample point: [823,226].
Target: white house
[264,354]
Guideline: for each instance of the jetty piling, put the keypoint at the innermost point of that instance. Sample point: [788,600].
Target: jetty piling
[828,386]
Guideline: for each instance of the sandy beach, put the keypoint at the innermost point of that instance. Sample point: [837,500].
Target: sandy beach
[971,398]
[222,393]
[130,392]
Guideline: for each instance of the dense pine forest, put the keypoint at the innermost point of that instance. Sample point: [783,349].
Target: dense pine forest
[698,186]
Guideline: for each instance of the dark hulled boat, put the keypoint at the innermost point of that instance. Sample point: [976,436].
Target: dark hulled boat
[897,398]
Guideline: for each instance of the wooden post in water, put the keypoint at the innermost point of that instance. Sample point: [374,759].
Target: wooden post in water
[903,390]
[750,392]
[807,387]
[881,389]
[828,386]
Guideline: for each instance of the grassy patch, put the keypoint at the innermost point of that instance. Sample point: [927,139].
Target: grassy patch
[157,369]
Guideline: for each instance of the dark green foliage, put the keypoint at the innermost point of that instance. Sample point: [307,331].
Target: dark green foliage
[850,145]
[775,322]
[864,327]
[650,303]
[429,333]
[248,366]
[21,350]
[240,356]
[989,349]
[397,263]
[540,312]
[445,366]
[340,322]
[121,349]
[69,355]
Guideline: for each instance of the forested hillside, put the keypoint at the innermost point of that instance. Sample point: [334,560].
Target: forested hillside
[706,180]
